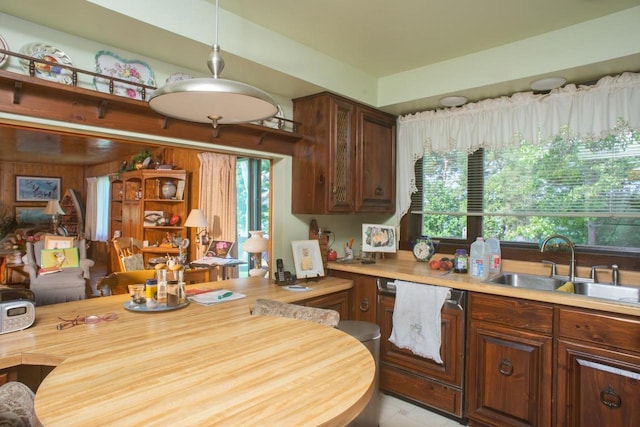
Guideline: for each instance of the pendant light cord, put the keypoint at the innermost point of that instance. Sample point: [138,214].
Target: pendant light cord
[215,43]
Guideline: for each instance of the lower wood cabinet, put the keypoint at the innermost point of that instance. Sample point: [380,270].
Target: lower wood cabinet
[338,301]
[364,296]
[598,369]
[8,374]
[509,362]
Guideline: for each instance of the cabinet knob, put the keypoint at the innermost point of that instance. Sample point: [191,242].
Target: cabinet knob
[364,305]
[506,368]
[610,398]
[379,191]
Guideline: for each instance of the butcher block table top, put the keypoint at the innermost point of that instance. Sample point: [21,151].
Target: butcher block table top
[199,365]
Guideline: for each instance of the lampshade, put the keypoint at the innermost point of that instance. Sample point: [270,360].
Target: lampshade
[197,219]
[213,100]
[53,208]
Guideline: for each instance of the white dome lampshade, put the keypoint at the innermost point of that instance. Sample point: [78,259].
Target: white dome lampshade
[255,245]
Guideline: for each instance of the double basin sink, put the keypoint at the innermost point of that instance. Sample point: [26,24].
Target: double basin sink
[590,289]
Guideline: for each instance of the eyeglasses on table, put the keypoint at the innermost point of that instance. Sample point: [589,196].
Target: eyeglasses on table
[69,323]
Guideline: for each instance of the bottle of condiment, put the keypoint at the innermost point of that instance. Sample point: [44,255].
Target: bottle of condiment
[151,287]
[461,261]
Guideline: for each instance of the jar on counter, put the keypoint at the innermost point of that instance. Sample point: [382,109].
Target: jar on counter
[461,261]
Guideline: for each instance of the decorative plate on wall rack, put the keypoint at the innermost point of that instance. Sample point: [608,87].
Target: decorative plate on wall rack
[178,76]
[135,70]
[50,54]
[3,56]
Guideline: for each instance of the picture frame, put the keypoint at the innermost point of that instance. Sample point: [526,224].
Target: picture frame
[58,242]
[379,238]
[37,188]
[60,258]
[31,215]
[219,249]
[153,218]
[307,259]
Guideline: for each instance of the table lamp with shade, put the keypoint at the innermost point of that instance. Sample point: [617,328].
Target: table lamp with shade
[255,245]
[197,219]
[53,208]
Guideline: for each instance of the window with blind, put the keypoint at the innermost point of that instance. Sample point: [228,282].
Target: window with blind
[588,191]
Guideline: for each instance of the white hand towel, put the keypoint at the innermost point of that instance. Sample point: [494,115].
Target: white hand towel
[416,318]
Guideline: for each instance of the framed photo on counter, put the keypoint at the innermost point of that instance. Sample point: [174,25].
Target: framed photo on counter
[307,258]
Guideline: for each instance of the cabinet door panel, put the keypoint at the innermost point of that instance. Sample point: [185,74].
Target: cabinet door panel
[341,158]
[376,162]
[597,386]
[509,376]
[364,297]
[338,301]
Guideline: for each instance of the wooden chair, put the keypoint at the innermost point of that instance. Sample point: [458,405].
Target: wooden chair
[323,316]
[118,282]
[129,252]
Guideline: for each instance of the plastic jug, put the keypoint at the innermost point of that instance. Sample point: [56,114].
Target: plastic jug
[495,257]
[479,259]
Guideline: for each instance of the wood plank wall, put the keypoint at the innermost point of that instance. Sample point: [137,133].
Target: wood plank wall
[75,177]
[72,177]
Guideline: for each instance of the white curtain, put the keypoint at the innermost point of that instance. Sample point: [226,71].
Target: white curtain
[91,208]
[588,112]
[96,225]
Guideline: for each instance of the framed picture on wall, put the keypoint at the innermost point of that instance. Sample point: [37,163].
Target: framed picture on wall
[37,188]
[33,216]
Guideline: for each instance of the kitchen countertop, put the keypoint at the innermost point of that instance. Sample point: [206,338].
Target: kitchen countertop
[404,267]
[197,365]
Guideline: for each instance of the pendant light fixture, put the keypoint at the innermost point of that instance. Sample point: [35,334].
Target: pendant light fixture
[213,100]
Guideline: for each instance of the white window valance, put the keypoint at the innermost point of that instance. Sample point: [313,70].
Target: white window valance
[586,112]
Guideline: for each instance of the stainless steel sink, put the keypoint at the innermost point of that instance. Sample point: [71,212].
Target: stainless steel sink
[610,292]
[529,281]
[546,283]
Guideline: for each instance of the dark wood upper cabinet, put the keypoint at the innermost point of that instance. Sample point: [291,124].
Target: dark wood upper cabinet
[346,160]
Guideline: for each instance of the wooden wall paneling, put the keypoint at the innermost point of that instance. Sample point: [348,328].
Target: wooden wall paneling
[72,177]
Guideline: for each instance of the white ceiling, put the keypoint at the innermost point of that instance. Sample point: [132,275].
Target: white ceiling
[388,37]
[365,41]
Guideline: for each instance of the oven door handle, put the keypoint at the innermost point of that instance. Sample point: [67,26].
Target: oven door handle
[455,299]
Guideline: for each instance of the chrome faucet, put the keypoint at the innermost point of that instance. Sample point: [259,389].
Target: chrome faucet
[572,261]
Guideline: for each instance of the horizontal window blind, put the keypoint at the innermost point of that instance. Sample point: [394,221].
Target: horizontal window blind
[563,178]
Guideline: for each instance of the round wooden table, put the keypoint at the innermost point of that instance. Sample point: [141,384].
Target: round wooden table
[205,366]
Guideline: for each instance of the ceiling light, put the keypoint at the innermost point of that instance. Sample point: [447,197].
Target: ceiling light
[453,101]
[548,83]
[213,100]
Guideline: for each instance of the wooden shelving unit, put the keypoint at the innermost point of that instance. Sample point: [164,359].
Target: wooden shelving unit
[73,218]
[140,208]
